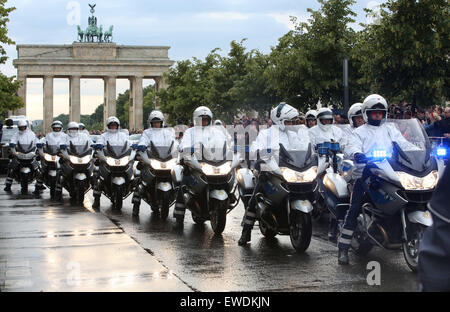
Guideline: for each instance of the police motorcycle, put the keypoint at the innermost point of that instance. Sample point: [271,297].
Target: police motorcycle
[398,187]
[284,205]
[115,173]
[333,191]
[209,173]
[25,165]
[155,180]
[49,165]
[77,167]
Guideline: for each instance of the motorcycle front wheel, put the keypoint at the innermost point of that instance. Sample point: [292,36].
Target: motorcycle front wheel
[268,233]
[301,231]
[118,200]
[411,247]
[165,206]
[218,216]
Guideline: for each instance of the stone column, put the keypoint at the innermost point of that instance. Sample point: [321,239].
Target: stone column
[48,103]
[110,98]
[136,103]
[22,92]
[74,101]
[160,84]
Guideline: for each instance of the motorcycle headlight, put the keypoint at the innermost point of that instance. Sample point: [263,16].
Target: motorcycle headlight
[80,160]
[113,162]
[410,182]
[292,176]
[210,170]
[163,165]
[50,158]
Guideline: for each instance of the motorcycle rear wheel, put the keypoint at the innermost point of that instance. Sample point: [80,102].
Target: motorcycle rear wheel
[301,231]
[197,219]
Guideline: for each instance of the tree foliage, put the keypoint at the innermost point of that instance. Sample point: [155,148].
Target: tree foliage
[8,86]
[406,54]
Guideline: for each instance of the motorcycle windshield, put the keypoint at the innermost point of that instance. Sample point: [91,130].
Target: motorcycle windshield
[297,159]
[412,150]
[51,149]
[80,150]
[116,151]
[25,149]
[215,152]
[8,134]
[160,152]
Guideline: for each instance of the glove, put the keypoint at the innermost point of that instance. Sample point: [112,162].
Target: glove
[12,145]
[134,146]
[39,145]
[360,158]
[63,146]
[98,146]
[142,148]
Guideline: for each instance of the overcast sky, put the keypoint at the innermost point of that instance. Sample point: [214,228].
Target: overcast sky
[190,28]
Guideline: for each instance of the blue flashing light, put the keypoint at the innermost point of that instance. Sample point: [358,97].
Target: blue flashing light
[441,152]
[380,154]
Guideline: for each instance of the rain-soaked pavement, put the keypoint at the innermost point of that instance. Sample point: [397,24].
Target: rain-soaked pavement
[46,246]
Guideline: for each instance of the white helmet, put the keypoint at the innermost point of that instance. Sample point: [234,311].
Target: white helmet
[324,113]
[57,124]
[72,125]
[355,110]
[311,114]
[282,113]
[113,119]
[202,111]
[156,116]
[81,125]
[218,123]
[374,102]
[22,123]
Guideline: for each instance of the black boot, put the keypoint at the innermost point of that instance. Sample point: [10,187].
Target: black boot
[333,231]
[7,188]
[343,256]
[96,203]
[246,235]
[36,192]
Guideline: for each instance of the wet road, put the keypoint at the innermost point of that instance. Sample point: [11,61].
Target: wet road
[59,247]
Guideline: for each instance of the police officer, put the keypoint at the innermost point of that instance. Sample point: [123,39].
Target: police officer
[434,250]
[374,133]
[355,118]
[56,137]
[159,135]
[202,133]
[23,137]
[114,137]
[282,117]
[310,117]
[75,137]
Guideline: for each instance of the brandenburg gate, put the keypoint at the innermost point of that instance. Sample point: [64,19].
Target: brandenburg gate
[104,60]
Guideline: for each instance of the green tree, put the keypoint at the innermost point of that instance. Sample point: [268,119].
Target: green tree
[307,64]
[406,54]
[8,86]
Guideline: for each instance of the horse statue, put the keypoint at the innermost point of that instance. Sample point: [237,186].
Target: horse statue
[99,33]
[108,34]
[80,34]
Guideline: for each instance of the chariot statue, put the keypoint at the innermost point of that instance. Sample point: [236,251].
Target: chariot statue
[92,31]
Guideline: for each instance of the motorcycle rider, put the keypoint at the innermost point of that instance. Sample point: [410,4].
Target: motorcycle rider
[201,133]
[160,136]
[375,133]
[355,117]
[75,137]
[270,139]
[114,137]
[82,128]
[24,137]
[310,117]
[56,137]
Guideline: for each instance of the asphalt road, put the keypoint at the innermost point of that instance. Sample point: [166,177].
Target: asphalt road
[48,246]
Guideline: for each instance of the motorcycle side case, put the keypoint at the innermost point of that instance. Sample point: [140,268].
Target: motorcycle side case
[336,184]
[385,196]
[246,180]
[274,191]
